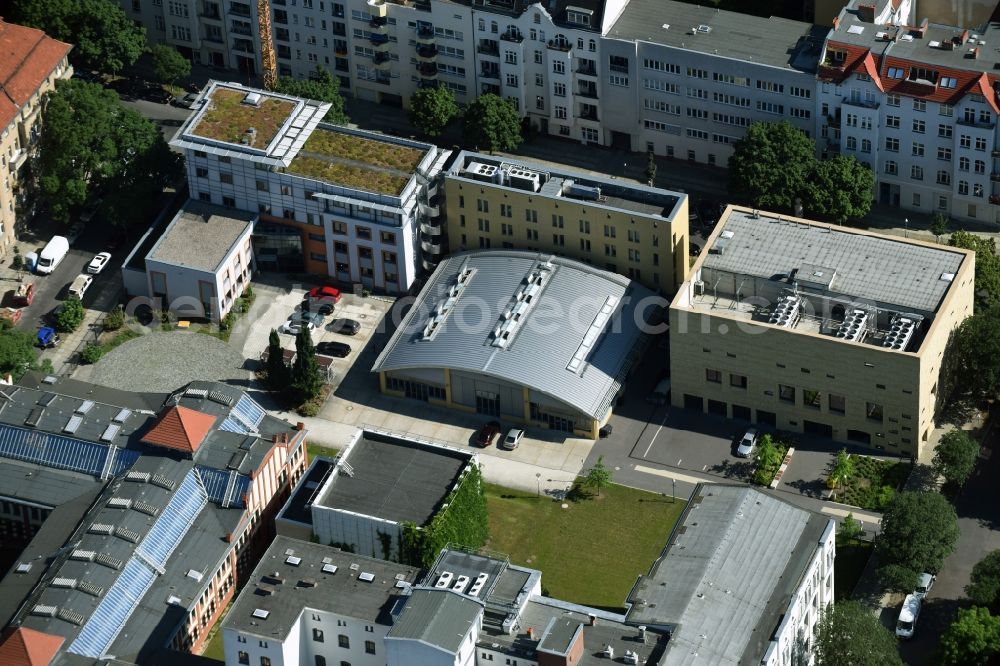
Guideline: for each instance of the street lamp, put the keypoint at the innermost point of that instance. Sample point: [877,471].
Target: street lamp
[538,484]
[673,490]
[906,227]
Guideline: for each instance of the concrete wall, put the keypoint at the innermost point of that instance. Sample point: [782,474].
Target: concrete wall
[336,526]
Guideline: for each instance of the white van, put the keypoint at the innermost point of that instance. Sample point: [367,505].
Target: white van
[80,286]
[52,255]
[908,614]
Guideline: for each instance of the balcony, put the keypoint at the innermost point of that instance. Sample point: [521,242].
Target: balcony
[972,122]
[427,51]
[431,229]
[425,32]
[587,91]
[381,59]
[214,38]
[489,47]
[239,9]
[586,69]
[243,46]
[995,176]
[384,80]
[428,83]
[210,12]
[995,200]
[559,45]
[514,36]
[378,22]
[378,40]
[490,74]
[242,30]
[431,246]
[864,104]
[427,70]
[429,210]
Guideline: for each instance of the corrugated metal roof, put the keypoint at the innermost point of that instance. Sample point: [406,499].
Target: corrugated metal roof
[439,617]
[542,347]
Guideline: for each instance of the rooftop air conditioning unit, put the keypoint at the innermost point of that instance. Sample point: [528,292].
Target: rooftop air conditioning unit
[252,98]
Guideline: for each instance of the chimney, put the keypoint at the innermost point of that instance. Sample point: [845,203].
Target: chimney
[593,620]
[836,23]
[866,13]
[300,426]
[531,633]
[963,38]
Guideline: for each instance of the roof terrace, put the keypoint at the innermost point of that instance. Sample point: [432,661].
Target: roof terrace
[350,160]
[249,119]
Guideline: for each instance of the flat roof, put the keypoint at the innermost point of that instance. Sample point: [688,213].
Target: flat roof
[393,478]
[357,160]
[571,185]
[306,585]
[727,573]
[504,585]
[213,230]
[29,482]
[437,617]
[774,41]
[298,506]
[887,270]
[574,336]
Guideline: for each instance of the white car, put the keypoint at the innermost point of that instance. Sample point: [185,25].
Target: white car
[98,263]
[80,286]
[908,615]
[512,439]
[924,585]
[746,445]
[293,327]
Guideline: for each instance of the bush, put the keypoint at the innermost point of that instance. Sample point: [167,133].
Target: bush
[17,263]
[770,454]
[115,319]
[71,316]
[92,353]
[310,408]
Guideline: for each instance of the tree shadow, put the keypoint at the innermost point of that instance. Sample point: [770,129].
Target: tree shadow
[810,488]
[923,478]
[733,470]
[578,493]
[959,411]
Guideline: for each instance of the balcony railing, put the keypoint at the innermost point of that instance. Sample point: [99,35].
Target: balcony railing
[587,115]
[425,32]
[490,74]
[966,122]
[427,51]
[489,49]
[586,69]
[427,69]
[512,36]
[378,40]
[587,92]
[560,45]
[380,58]
[239,9]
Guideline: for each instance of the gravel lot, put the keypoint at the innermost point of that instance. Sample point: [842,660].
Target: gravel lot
[165,361]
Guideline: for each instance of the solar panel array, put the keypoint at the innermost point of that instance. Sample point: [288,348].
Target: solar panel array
[61,452]
[115,608]
[217,483]
[174,521]
[248,408]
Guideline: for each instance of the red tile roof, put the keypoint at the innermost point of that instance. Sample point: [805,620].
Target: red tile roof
[27,57]
[27,647]
[180,428]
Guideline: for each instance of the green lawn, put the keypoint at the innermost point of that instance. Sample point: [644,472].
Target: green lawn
[589,553]
[214,649]
[873,483]
[314,450]
[852,556]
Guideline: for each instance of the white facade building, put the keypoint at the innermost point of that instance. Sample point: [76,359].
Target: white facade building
[355,206]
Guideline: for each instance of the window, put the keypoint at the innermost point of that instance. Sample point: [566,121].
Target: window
[891,168]
[387,237]
[265,661]
[482,205]
[944,131]
[318,635]
[916,172]
[786,393]
[811,398]
[559,90]
[963,163]
[980,166]
[895,72]
[837,403]
[343,641]
[919,105]
[559,67]
[512,80]
[919,126]
[944,154]
[874,411]
[917,150]
[369,647]
[852,143]
[892,144]
[531,216]
[980,143]
[201,172]
[618,80]
[738,381]
[320,660]
[892,121]
[713,376]
[364,233]
[963,187]
[943,177]
[892,100]
[243,657]
[226,178]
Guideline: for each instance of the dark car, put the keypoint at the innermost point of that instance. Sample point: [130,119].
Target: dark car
[338,349]
[709,211]
[344,326]
[321,309]
[488,434]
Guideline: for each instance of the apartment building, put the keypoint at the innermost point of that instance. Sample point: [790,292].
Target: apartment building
[687,81]
[32,63]
[617,225]
[812,328]
[917,103]
[330,201]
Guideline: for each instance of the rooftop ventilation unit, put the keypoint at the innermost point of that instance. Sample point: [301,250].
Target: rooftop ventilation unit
[260,613]
[478,584]
[119,503]
[163,482]
[46,399]
[141,477]
[127,534]
[330,568]
[252,98]
[34,417]
[89,588]
[108,561]
[786,312]
[461,583]
[82,555]
[900,333]
[855,326]
[293,560]
[50,379]
[523,179]
[195,393]
[110,432]
[101,528]
[704,29]
[122,415]
[585,192]
[143,507]
[44,610]
[366,577]
[444,580]
[440,312]
[221,398]
[73,424]
[194,574]
[487,173]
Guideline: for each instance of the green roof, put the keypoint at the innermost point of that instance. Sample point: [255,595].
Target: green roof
[227,118]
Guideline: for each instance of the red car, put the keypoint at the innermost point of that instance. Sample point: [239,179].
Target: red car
[325,293]
[488,434]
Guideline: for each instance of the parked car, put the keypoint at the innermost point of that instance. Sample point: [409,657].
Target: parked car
[47,337]
[488,434]
[80,286]
[313,318]
[323,293]
[908,615]
[324,309]
[344,326]
[338,349]
[98,263]
[924,584]
[53,253]
[74,232]
[747,444]
[24,294]
[189,101]
[13,315]
[294,326]
[512,439]
[708,210]
[660,394]
[157,94]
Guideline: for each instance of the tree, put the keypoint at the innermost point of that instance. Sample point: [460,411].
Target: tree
[771,165]
[984,583]
[598,476]
[431,109]
[277,371]
[71,315]
[840,188]
[848,633]
[17,350]
[104,37]
[91,144]
[650,168]
[492,123]
[987,262]
[974,638]
[975,354]
[306,378]
[955,457]
[321,86]
[939,225]
[768,459]
[919,530]
[851,528]
[843,469]
[168,64]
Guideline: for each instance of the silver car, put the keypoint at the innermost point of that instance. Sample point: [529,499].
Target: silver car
[747,444]
[512,439]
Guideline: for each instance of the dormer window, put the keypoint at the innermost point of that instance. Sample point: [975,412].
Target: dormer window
[838,56]
[578,16]
[923,74]
[948,82]
[895,72]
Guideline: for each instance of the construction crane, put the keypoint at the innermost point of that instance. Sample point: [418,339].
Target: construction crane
[267,59]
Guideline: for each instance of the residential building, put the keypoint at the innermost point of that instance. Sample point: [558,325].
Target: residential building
[819,329]
[686,81]
[536,339]
[32,63]
[158,506]
[379,482]
[330,201]
[918,104]
[623,227]
[716,608]
[205,283]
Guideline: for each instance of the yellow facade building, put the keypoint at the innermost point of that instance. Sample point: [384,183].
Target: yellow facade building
[627,228]
[818,329]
